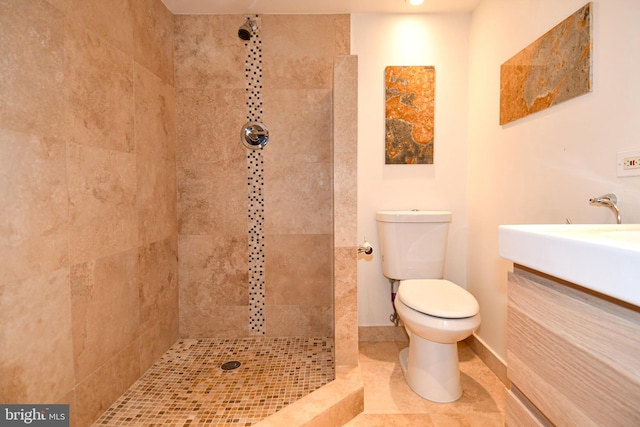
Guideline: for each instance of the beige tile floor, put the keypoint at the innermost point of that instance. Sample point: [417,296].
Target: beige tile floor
[388,400]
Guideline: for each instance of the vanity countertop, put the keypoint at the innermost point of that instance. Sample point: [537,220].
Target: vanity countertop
[602,257]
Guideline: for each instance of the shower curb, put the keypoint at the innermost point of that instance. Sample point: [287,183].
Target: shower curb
[333,404]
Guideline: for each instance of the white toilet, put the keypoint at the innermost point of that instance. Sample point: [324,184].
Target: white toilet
[436,313]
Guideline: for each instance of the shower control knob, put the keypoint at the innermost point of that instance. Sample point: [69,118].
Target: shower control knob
[254,135]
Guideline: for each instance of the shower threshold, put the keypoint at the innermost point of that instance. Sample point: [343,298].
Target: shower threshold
[189,387]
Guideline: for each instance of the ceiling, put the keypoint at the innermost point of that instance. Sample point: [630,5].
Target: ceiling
[223,7]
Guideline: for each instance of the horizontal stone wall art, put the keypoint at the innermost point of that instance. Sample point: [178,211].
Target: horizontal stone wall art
[409,114]
[554,68]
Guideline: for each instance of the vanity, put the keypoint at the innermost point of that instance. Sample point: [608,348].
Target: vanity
[573,334]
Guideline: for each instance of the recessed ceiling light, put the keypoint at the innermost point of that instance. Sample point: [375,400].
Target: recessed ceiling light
[415,2]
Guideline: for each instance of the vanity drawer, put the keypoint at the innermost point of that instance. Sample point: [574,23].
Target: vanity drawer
[519,413]
[574,355]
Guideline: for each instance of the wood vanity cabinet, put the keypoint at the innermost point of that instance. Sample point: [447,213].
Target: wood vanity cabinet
[573,356]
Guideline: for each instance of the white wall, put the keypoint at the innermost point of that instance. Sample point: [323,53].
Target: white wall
[545,167]
[540,169]
[379,41]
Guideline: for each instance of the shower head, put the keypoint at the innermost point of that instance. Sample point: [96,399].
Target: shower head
[246,30]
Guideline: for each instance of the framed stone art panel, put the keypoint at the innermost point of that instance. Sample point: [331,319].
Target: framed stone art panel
[554,68]
[409,114]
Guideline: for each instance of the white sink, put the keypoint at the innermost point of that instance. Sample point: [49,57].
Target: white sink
[601,257]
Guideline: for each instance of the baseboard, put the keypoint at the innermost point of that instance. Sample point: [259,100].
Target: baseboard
[382,333]
[494,362]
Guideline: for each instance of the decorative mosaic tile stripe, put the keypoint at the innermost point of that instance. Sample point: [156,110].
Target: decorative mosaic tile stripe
[253,74]
[256,244]
[187,386]
[255,181]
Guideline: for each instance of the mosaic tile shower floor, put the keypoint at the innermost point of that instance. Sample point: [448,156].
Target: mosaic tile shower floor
[187,386]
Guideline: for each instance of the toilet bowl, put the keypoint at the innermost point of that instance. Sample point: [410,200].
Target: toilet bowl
[436,314]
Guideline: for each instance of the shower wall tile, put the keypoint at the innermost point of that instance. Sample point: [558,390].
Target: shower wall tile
[158,291]
[32,46]
[156,199]
[208,125]
[212,198]
[158,284]
[35,338]
[299,321]
[155,160]
[345,104]
[298,122]
[212,188]
[299,49]
[345,119]
[224,321]
[299,272]
[102,202]
[343,34]
[105,308]
[153,37]
[34,214]
[154,341]
[345,199]
[109,381]
[208,54]
[98,92]
[155,115]
[213,271]
[111,20]
[346,306]
[298,198]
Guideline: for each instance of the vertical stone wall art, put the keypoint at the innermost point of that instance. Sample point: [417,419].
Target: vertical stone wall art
[554,68]
[409,114]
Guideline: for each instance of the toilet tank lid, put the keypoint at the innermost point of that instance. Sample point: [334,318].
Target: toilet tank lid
[413,216]
[436,297]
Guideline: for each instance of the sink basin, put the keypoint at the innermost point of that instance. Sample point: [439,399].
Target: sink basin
[601,257]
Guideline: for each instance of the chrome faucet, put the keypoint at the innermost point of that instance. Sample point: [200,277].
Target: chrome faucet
[610,201]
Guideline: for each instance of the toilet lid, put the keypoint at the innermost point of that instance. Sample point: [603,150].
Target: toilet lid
[440,298]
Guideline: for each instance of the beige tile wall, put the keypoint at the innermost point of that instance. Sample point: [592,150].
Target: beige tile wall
[297,62]
[88,229]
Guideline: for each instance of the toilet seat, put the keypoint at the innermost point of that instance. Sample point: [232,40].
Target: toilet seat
[437,297]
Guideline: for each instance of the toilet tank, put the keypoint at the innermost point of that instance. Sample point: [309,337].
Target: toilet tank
[413,243]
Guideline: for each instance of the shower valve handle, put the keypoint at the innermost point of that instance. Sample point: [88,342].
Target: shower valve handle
[254,135]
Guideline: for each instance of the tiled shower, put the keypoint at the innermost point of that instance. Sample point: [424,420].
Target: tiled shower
[125,191]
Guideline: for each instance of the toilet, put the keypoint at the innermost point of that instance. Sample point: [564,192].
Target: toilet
[436,313]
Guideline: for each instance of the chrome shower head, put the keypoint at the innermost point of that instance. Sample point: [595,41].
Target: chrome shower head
[246,30]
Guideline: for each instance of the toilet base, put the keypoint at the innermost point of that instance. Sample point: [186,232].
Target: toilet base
[431,369]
